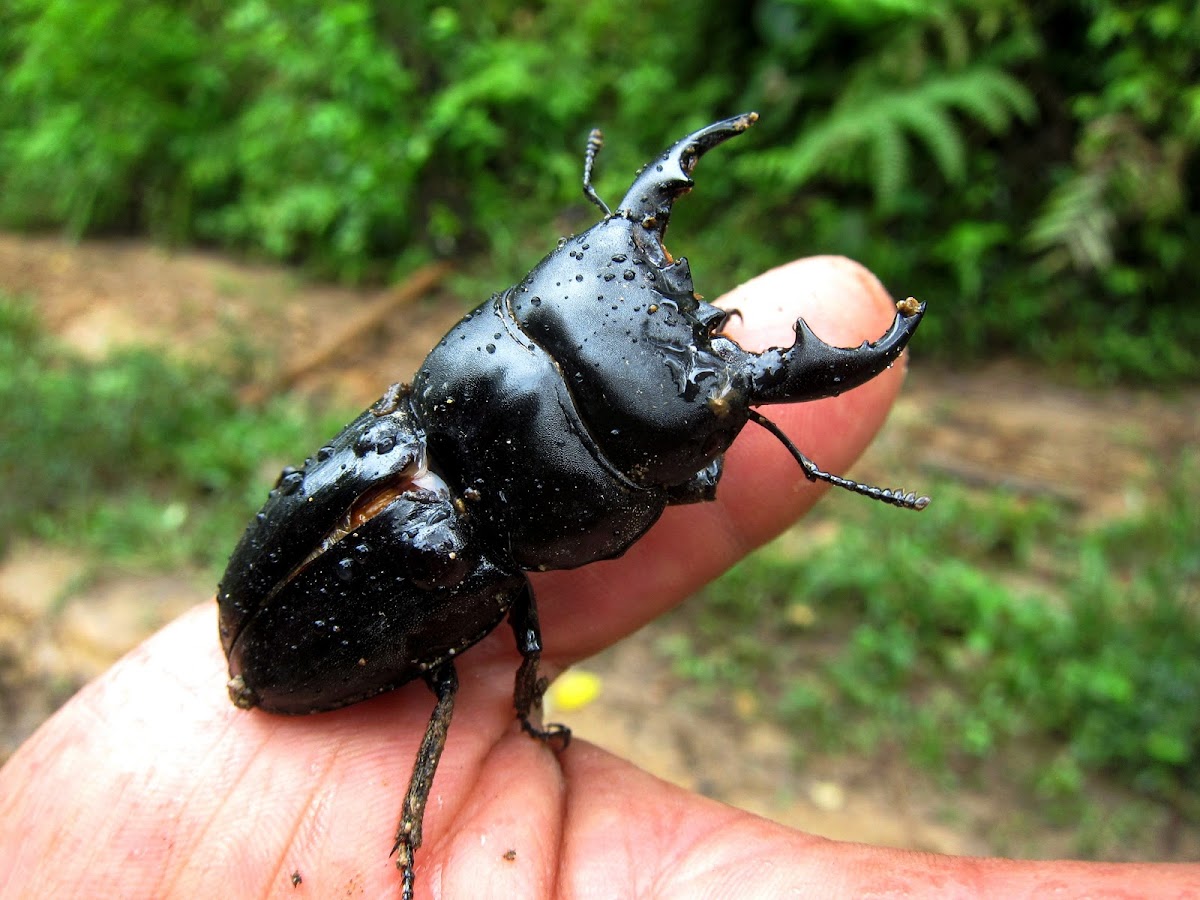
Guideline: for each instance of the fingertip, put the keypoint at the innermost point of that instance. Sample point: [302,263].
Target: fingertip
[841,300]
[844,304]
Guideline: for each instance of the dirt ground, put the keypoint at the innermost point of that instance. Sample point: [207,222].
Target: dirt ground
[1001,424]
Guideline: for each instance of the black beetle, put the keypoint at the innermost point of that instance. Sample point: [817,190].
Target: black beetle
[548,429]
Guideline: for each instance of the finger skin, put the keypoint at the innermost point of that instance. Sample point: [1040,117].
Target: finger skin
[149,783]
[683,845]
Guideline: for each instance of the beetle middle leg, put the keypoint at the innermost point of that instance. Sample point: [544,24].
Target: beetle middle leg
[443,681]
[530,687]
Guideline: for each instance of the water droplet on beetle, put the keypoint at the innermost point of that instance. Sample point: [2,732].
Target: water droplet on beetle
[380,438]
[490,348]
[345,569]
[290,482]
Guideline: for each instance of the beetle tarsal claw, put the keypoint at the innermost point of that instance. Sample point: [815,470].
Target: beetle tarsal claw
[553,733]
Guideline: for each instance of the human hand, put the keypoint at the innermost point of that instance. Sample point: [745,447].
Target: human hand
[150,784]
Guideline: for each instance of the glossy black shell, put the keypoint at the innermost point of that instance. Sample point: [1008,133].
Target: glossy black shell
[549,428]
[579,403]
[306,628]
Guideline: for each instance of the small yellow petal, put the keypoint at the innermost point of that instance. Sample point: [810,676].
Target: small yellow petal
[745,703]
[574,689]
[801,615]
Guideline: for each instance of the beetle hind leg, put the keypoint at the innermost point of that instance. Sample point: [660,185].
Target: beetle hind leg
[443,681]
[530,686]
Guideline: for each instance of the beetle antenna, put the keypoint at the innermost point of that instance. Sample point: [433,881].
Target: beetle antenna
[813,473]
[594,143]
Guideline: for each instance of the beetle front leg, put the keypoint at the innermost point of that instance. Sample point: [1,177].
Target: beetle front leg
[530,687]
[896,497]
[443,681]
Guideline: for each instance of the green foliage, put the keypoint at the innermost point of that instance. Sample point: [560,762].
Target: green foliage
[1028,168]
[135,457]
[1139,124]
[865,138]
[330,133]
[99,108]
[954,663]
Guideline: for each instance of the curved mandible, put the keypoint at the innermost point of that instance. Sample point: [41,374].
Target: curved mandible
[650,197]
[811,369]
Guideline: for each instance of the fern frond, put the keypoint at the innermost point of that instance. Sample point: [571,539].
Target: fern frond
[880,128]
[813,153]
[935,128]
[988,95]
[890,162]
[1119,176]
[1075,228]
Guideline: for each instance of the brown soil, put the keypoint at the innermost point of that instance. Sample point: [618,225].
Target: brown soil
[1003,424]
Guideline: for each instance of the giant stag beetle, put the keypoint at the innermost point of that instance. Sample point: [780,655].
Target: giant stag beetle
[548,429]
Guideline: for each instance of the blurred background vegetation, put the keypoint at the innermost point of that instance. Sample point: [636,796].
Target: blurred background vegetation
[1029,167]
